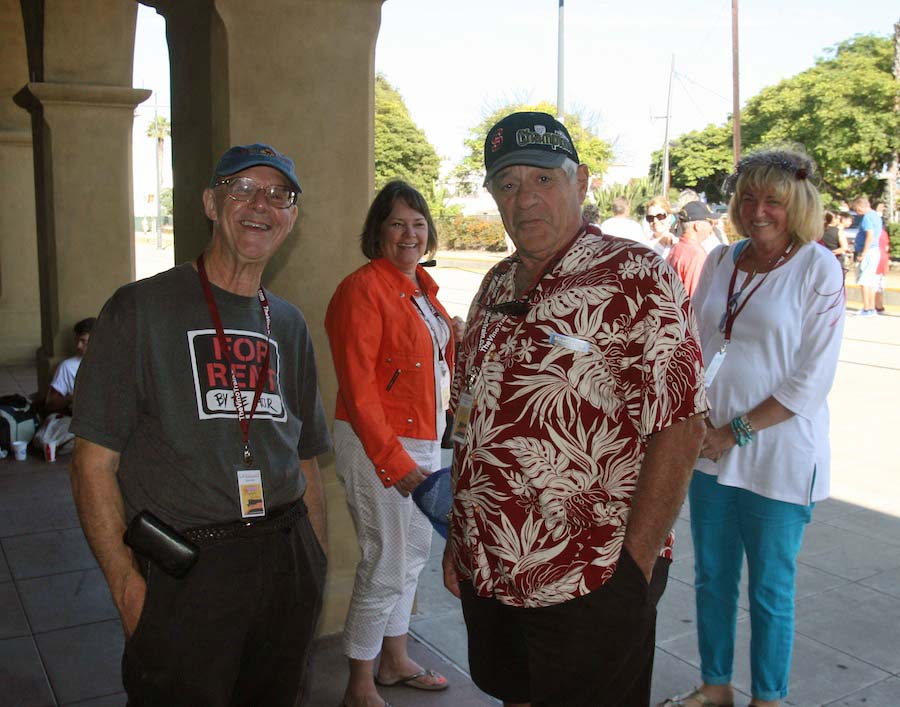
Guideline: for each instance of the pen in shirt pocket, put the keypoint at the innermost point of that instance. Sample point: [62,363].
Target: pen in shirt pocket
[393,379]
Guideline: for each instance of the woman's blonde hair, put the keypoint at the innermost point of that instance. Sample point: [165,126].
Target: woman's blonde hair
[787,173]
[660,201]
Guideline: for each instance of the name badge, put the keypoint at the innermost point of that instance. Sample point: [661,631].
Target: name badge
[445,386]
[569,342]
[462,417]
[713,368]
[250,489]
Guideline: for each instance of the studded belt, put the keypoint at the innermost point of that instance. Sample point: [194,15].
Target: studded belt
[279,518]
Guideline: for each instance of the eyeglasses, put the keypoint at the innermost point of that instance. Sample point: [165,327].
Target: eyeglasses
[245,189]
[656,217]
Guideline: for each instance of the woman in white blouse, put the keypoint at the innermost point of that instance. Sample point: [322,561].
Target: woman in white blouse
[770,312]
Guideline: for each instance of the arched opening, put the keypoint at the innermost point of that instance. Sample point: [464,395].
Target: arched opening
[154,249]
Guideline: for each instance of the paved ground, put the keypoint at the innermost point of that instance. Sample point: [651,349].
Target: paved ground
[60,641]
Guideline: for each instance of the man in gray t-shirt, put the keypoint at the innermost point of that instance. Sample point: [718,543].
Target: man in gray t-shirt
[198,407]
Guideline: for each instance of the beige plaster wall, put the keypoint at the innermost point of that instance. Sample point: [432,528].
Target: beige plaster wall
[20,316]
[90,243]
[321,114]
[89,41]
[84,105]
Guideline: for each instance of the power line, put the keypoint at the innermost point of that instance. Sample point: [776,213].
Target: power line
[700,85]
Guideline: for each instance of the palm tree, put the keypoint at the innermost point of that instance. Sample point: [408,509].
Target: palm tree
[159,128]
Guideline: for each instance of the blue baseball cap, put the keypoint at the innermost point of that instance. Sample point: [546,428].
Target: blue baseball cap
[240,157]
[434,497]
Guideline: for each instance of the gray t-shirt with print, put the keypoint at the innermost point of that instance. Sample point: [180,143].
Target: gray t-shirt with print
[154,386]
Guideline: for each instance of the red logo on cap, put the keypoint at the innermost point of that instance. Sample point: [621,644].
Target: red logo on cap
[497,140]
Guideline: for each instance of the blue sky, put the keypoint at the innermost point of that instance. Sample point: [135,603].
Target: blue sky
[453,62]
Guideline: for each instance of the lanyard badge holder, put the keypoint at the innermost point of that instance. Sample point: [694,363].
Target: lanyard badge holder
[466,403]
[249,480]
[733,309]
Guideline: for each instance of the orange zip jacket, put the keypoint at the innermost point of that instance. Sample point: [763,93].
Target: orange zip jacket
[383,353]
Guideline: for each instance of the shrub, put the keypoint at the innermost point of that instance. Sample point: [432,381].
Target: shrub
[893,230]
[470,233]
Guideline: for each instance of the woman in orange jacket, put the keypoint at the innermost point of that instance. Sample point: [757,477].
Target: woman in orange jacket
[392,345]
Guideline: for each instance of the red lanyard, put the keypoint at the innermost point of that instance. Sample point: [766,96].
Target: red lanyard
[732,310]
[243,418]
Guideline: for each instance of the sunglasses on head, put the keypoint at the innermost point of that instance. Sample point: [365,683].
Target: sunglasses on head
[656,217]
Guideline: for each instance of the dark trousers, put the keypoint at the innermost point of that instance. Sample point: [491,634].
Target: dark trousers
[593,651]
[236,630]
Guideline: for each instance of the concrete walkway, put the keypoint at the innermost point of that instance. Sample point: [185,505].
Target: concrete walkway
[60,639]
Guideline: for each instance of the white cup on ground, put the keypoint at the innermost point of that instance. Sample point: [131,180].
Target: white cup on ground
[20,449]
[50,451]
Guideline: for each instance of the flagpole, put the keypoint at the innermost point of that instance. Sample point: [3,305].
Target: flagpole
[560,65]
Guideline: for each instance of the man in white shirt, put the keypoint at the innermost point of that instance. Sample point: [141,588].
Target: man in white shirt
[620,224]
[62,387]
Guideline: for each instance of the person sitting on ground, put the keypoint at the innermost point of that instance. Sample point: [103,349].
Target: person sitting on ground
[62,388]
[620,224]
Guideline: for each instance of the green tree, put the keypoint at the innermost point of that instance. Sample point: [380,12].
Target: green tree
[167,201]
[841,111]
[401,149]
[159,128]
[700,160]
[593,151]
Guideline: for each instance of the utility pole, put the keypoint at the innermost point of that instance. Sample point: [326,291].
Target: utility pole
[560,64]
[735,84]
[159,143]
[665,174]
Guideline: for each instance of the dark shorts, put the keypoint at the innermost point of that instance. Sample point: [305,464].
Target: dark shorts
[593,651]
[236,630]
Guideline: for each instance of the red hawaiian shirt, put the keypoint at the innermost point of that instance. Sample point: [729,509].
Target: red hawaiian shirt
[565,397]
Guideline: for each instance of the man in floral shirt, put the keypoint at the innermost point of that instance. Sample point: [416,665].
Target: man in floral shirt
[579,406]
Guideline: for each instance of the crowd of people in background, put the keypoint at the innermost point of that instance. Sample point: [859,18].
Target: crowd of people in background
[683,234]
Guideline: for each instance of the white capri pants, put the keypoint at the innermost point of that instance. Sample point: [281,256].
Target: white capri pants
[394,537]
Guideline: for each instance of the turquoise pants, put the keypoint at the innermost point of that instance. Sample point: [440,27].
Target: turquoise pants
[727,523]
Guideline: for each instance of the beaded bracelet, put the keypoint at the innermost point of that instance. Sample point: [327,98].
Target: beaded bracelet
[743,431]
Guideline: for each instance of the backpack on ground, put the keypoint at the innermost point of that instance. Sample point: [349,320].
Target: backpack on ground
[18,420]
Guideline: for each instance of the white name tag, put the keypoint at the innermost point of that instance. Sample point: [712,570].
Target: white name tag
[250,489]
[461,420]
[569,342]
[713,368]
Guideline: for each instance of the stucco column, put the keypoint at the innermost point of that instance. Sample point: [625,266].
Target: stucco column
[19,302]
[20,331]
[86,241]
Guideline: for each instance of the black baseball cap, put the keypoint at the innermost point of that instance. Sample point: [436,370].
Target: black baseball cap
[529,138]
[241,157]
[696,211]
